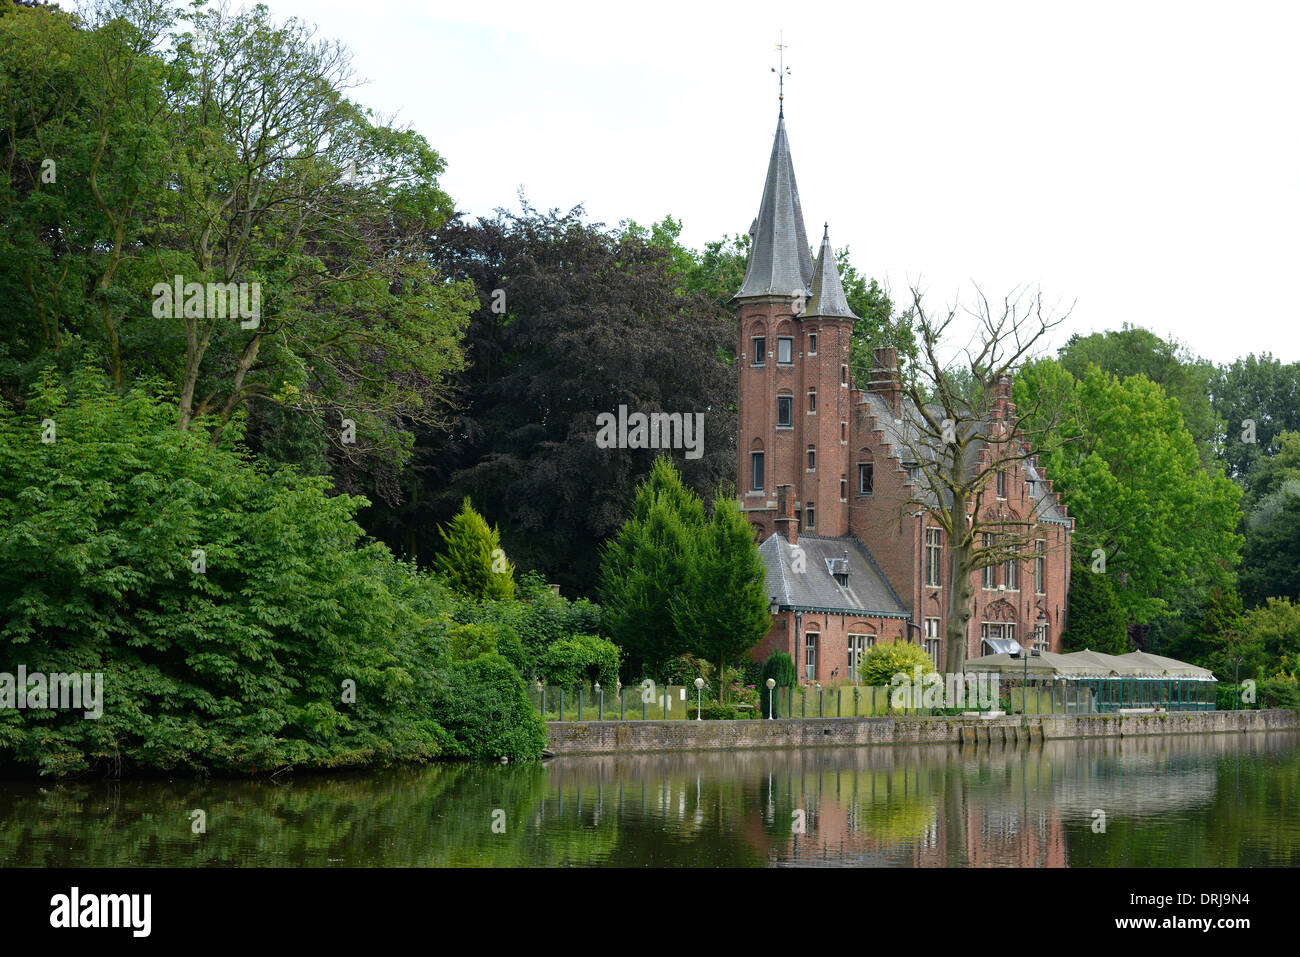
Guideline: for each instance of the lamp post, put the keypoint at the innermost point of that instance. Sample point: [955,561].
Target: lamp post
[819,700]
[771,683]
[600,698]
[699,690]
[1236,686]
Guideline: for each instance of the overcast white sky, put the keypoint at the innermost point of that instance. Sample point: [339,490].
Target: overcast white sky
[1139,159]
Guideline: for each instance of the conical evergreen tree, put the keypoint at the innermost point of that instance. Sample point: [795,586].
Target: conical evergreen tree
[645,565]
[723,610]
[473,562]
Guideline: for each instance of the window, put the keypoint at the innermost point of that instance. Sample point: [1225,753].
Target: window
[812,517]
[760,350]
[844,433]
[844,488]
[810,655]
[933,552]
[812,458]
[844,375]
[1040,636]
[1011,573]
[812,343]
[997,629]
[784,350]
[913,472]
[784,411]
[990,572]
[932,639]
[864,478]
[858,645]
[1002,484]
[1040,568]
[812,401]
[756,471]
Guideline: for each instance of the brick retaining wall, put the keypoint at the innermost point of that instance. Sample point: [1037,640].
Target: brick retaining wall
[607,737]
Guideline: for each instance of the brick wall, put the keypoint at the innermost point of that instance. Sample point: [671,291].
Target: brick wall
[602,737]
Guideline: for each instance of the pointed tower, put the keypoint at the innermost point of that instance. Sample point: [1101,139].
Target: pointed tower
[778,254]
[793,341]
[826,328]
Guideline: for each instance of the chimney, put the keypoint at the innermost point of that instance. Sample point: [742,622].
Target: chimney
[1002,408]
[785,522]
[884,377]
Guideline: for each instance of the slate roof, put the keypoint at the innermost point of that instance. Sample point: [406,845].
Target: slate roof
[827,299]
[779,263]
[815,589]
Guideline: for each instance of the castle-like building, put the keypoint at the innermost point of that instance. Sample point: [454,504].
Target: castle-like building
[826,476]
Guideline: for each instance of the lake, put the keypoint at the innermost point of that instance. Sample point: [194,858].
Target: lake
[1222,800]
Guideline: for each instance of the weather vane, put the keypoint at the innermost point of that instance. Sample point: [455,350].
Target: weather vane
[781,71]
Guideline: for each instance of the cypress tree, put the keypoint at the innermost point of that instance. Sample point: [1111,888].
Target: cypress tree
[472,562]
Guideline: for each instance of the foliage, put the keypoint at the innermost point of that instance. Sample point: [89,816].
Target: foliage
[484,707]
[1094,619]
[714,712]
[1128,470]
[883,660]
[472,562]
[579,659]
[226,603]
[573,321]
[646,566]
[722,611]
[1169,364]
[1263,390]
[467,642]
[220,147]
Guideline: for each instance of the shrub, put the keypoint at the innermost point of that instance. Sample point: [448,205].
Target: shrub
[780,668]
[484,707]
[580,658]
[241,657]
[714,712]
[884,660]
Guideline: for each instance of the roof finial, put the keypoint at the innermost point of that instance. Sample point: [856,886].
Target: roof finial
[781,72]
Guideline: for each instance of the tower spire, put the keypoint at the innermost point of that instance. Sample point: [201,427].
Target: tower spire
[827,300]
[780,72]
[779,262]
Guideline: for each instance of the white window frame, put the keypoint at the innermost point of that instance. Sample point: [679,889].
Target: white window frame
[786,343]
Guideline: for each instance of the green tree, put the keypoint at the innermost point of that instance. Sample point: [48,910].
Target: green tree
[473,562]
[1095,619]
[780,668]
[1134,351]
[1257,399]
[648,564]
[723,610]
[1128,470]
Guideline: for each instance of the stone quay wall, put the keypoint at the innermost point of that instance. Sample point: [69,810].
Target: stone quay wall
[613,737]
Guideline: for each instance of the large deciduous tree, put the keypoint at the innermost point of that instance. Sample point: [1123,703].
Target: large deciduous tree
[574,321]
[962,438]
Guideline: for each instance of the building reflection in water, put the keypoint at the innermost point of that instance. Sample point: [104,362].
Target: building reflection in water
[923,805]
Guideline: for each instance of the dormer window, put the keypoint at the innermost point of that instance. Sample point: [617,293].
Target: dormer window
[784,350]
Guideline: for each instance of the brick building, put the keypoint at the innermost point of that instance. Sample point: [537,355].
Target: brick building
[827,477]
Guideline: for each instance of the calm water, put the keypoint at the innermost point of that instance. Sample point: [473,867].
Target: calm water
[1214,800]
